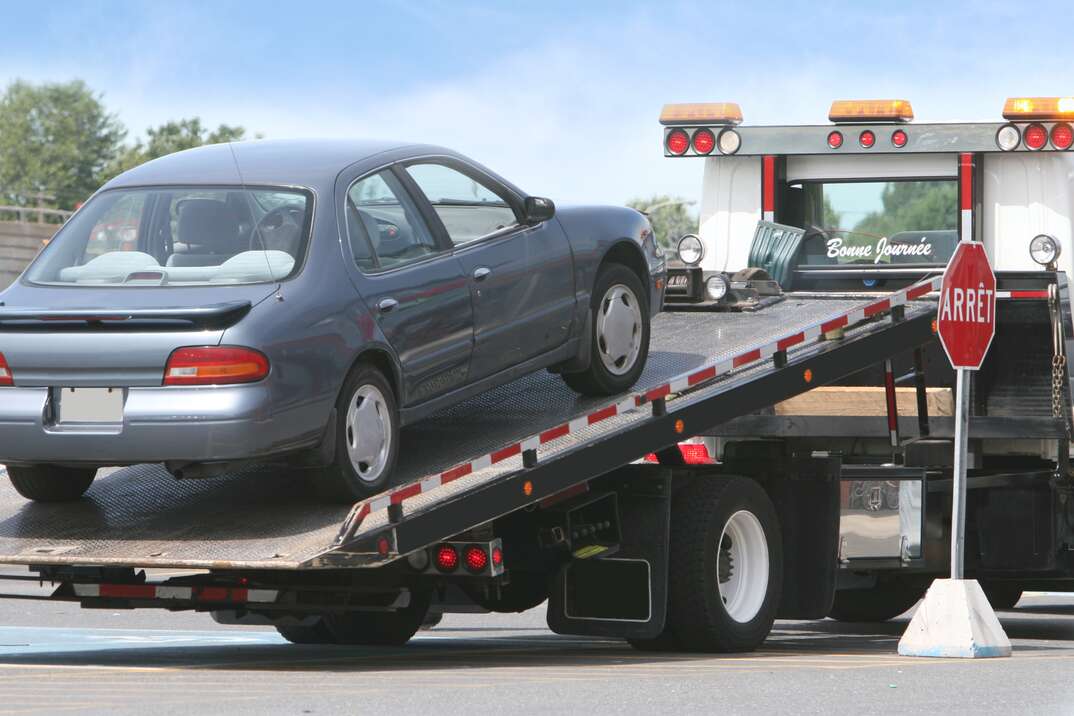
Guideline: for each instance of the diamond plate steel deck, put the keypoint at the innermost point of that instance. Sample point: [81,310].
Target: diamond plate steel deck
[262,519]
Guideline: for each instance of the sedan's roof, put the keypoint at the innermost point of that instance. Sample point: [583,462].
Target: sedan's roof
[302,162]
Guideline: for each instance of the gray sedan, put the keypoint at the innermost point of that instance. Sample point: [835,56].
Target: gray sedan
[241,303]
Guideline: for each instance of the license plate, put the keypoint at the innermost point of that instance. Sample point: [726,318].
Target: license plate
[89,405]
[678,281]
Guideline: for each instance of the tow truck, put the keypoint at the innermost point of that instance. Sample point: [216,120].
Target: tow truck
[693,511]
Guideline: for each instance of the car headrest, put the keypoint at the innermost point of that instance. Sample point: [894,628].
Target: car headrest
[210,225]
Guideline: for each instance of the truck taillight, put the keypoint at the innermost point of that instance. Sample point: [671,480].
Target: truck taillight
[447,558]
[5,372]
[867,139]
[677,141]
[899,139]
[1062,136]
[476,559]
[704,141]
[215,365]
[835,139]
[1035,136]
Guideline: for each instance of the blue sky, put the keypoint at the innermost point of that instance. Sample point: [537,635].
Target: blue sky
[562,97]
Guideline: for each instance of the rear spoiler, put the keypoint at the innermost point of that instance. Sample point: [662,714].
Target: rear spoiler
[214,315]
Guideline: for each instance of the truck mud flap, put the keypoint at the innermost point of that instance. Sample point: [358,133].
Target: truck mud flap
[624,595]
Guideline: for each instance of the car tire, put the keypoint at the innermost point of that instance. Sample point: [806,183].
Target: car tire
[615,365]
[359,469]
[726,568]
[51,483]
[879,603]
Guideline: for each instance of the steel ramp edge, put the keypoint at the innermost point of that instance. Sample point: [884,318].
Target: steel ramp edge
[371,516]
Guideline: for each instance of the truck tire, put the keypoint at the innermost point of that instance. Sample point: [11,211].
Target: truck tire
[51,483]
[1002,595]
[379,628]
[726,566]
[880,603]
[366,440]
[620,334]
[316,634]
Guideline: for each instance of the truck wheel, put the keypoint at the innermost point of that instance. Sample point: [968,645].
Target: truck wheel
[525,591]
[620,334]
[884,601]
[367,438]
[1002,595]
[316,634]
[379,628]
[51,483]
[726,567]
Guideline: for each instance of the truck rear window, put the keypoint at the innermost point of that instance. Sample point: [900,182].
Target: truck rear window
[884,223]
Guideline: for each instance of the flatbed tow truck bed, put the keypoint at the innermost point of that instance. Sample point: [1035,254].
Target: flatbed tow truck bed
[503,450]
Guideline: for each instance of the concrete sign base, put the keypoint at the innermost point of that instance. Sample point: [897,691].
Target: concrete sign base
[955,620]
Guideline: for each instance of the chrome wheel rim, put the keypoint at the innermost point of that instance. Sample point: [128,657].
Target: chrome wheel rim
[742,566]
[619,328]
[369,432]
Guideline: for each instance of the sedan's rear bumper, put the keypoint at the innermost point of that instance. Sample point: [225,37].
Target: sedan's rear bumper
[159,424]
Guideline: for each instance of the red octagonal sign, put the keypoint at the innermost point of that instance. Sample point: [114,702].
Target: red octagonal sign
[967,312]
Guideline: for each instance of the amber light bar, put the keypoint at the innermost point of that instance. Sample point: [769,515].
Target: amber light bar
[701,113]
[871,110]
[1039,108]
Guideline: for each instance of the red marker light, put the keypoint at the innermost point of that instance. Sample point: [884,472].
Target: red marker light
[5,372]
[704,141]
[677,142]
[899,139]
[1062,136]
[1035,136]
[383,546]
[867,139]
[497,556]
[447,558]
[835,139]
[476,559]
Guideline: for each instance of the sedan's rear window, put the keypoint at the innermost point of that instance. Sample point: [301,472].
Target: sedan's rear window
[179,237]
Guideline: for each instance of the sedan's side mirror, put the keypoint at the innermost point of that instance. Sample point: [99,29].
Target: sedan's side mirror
[538,209]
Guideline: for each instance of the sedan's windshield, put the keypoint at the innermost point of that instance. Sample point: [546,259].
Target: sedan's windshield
[179,236]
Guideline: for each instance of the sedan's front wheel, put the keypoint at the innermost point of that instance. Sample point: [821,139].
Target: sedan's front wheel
[620,334]
[367,438]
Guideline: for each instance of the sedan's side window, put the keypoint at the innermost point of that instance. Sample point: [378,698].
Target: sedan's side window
[384,226]
[468,208]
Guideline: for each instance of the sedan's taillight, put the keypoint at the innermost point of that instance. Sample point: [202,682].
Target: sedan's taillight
[215,365]
[5,372]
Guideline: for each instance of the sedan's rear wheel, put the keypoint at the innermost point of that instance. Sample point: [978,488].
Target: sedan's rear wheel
[367,438]
[51,483]
[620,334]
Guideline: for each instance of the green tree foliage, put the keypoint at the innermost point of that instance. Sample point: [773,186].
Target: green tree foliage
[670,217]
[55,138]
[913,206]
[172,137]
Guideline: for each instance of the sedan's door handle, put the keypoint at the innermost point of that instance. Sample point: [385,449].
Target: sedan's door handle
[387,304]
[481,273]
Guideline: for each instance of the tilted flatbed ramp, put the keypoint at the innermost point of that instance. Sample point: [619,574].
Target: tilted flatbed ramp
[488,456]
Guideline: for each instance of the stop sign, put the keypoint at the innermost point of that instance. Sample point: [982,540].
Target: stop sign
[967,312]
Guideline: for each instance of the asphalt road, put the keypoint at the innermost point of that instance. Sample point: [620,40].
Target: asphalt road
[55,658]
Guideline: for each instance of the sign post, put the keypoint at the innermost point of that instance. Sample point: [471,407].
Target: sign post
[956,618]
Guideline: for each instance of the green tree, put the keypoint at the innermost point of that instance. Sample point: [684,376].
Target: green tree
[170,137]
[55,138]
[669,216]
[913,206]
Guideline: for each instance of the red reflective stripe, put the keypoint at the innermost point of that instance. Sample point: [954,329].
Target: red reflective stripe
[404,492]
[784,343]
[456,472]
[889,392]
[746,358]
[240,595]
[874,308]
[213,594]
[1028,294]
[919,291]
[660,392]
[129,591]
[701,376]
[553,433]
[509,451]
[965,180]
[610,412]
[768,180]
[834,323]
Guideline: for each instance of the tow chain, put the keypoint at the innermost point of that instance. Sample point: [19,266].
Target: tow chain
[1060,411]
